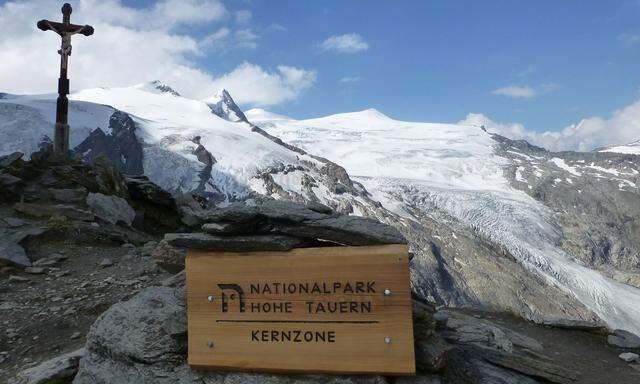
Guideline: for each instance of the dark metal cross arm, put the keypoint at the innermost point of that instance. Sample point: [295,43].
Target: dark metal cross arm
[62,28]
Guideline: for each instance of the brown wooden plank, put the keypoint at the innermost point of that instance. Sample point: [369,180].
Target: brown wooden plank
[359,330]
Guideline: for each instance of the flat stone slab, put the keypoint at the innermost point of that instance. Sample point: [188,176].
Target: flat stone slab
[59,368]
[206,242]
[579,325]
[6,161]
[45,210]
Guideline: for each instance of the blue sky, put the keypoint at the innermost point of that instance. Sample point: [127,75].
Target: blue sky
[439,60]
[527,69]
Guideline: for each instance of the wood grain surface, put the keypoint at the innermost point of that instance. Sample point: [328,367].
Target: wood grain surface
[305,310]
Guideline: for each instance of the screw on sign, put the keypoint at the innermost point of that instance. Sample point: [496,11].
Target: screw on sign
[65,29]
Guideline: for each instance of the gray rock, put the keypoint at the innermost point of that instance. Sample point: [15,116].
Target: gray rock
[11,252]
[223,228]
[470,330]
[347,230]
[208,242]
[169,258]
[580,325]
[59,368]
[112,209]
[68,195]
[250,210]
[45,262]
[35,270]
[148,248]
[14,222]
[143,341]
[9,181]
[45,211]
[623,339]
[317,207]
[106,262]
[419,379]
[18,279]
[175,280]
[629,357]
[8,160]
[140,188]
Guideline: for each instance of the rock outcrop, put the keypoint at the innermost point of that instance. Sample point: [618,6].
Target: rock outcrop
[272,225]
[144,340]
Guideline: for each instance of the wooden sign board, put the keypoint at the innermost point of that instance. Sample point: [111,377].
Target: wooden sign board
[331,310]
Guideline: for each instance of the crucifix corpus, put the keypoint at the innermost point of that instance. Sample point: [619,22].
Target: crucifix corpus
[65,30]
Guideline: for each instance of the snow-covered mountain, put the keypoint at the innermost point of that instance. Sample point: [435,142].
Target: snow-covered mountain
[460,181]
[181,144]
[631,148]
[223,105]
[492,222]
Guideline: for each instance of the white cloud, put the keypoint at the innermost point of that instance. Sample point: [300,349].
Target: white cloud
[350,79]
[594,132]
[130,46]
[629,38]
[516,92]
[347,43]
[251,84]
[526,91]
[243,16]
[224,39]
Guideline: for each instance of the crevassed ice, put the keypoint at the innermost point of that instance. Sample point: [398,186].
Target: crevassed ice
[454,169]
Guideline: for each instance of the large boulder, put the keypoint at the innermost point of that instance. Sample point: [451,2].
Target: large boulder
[11,252]
[144,341]
[60,369]
[112,209]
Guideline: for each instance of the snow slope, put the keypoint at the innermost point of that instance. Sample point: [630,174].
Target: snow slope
[176,133]
[630,149]
[25,120]
[453,170]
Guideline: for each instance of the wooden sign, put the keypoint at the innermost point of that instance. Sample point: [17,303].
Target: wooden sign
[332,310]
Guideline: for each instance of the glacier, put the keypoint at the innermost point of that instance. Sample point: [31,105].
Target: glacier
[455,169]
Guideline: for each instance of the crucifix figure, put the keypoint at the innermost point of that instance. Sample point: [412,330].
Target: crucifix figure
[65,30]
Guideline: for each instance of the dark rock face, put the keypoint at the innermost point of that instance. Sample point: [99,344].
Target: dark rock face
[160,86]
[121,146]
[156,209]
[594,197]
[223,106]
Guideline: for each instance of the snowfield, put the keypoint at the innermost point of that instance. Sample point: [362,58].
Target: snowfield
[453,170]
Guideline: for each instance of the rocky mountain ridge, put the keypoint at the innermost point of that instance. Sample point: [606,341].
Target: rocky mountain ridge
[469,221]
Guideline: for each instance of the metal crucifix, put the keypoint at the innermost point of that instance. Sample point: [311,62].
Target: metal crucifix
[65,30]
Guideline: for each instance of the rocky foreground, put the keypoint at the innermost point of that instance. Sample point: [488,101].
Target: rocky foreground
[91,288]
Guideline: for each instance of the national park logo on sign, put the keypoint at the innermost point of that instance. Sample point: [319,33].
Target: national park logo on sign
[339,309]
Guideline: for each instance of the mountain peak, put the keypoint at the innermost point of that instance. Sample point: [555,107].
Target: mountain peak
[222,105]
[157,86]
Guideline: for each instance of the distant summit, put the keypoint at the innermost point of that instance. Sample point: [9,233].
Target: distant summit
[158,86]
[628,149]
[222,105]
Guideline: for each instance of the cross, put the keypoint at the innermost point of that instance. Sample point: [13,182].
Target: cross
[65,30]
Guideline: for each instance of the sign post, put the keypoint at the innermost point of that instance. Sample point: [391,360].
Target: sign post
[329,310]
